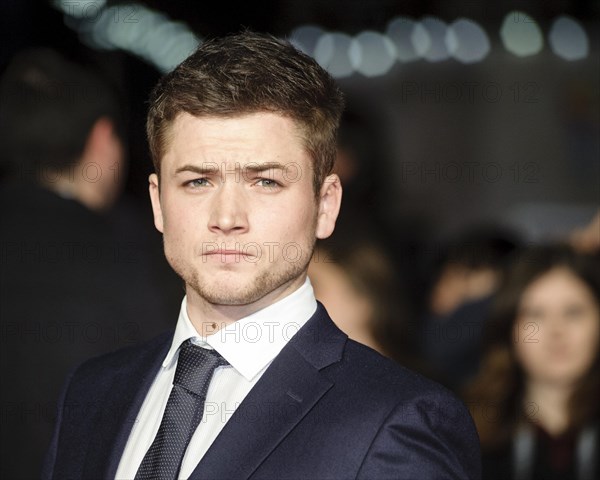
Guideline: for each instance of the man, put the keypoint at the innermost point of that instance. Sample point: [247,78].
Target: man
[243,138]
[65,258]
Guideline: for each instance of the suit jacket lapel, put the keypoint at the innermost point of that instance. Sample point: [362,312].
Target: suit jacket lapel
[118,410]
[285,393]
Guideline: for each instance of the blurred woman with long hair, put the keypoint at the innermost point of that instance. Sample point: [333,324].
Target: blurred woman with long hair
[536,400]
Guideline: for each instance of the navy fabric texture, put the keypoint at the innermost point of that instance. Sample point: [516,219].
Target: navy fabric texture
[326,408]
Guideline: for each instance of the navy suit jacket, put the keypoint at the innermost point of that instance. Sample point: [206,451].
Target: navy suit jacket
[326,408]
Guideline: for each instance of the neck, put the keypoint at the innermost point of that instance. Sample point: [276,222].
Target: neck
[547,403]
[208,318]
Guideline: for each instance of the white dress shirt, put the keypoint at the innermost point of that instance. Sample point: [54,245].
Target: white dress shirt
[249,345]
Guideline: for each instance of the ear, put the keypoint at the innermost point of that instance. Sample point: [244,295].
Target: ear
[155,199]
[330,199]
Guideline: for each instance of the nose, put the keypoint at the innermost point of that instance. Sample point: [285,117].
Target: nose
[228,210]
[554,328]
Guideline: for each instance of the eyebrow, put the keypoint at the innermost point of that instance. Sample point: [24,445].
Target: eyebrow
[261,167]
[212,168]
[196,169]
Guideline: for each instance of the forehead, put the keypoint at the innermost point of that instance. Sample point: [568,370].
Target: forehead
[555,285]
[255,137]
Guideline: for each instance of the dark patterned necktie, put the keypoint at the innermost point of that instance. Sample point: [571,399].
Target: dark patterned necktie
[183,413]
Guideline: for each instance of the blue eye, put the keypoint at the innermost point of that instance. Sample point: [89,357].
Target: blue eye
[197,182]
[268,183]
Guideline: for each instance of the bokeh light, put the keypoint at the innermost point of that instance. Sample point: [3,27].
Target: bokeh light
[306,38]
[568,39]
[400,32]
[372,54]
[521,35]
[467,41]
[434,29]
[332,53]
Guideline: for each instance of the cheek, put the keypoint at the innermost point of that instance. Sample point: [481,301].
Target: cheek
[527,353]
[292,223]
[179,237]
[586,339]
[176,219]
[528,345]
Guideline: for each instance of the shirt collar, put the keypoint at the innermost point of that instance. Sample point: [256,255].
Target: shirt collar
[252,342]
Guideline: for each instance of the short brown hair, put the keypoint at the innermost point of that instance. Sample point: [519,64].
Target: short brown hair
[247,73]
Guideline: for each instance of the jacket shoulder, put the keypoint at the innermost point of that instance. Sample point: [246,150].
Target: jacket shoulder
[108,364]
[412,407]
[386,375]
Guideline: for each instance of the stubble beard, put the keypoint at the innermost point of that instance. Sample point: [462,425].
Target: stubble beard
[221,292]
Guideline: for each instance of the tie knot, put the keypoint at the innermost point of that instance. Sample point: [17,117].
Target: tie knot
[196,366]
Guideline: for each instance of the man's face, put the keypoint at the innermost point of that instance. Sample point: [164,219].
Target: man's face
[237,208]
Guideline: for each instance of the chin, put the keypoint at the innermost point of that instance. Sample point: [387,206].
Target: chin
[234,287]
[230,297]
[230,290]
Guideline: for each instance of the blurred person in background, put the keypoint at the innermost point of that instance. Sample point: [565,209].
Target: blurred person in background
[361,146]
[356,282]
[587,239]
[77,277]
[536,398]
[466,274]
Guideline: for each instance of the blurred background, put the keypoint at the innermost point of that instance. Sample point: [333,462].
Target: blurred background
[486,109]
[471,138]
